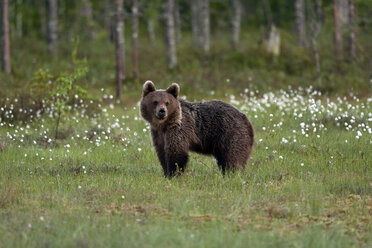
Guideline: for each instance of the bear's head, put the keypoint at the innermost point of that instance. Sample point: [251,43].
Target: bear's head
[160,107]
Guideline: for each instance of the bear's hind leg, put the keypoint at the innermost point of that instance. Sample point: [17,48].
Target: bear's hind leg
[221,163]
[227,161]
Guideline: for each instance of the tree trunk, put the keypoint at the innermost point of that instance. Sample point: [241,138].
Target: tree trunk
[237,13]
[170,35]
[337,29]
[273,41]
[353,29]
[316,56]
[316,20]
[151,30]
[5,38]
[195,28]
[343,14]
[119,43]
[300,22]
[52,25]
[205,25]
[135,38]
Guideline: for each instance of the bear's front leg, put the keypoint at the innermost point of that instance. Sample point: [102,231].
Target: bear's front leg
[159,144]
[176,150]
[176,163]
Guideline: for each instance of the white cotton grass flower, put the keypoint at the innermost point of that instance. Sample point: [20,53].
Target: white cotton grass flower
[284,140]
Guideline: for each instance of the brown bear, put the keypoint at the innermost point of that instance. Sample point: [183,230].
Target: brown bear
[178,126]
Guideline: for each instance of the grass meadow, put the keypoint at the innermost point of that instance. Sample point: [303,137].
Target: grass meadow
[99,184]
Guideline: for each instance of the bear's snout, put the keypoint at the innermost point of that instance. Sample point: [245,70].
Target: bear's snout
[161,113]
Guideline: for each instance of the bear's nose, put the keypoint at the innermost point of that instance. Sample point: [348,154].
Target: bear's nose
[161,112]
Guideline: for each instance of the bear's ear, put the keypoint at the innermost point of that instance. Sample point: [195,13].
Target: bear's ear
[148,87]
[174,89]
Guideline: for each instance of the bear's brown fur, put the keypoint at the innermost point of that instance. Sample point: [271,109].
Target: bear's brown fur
[178,126]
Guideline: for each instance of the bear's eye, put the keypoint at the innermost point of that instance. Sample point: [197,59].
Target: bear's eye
[167,103]
[155,103]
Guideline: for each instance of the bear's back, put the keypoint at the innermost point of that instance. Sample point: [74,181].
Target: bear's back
[219,114]
[216,122]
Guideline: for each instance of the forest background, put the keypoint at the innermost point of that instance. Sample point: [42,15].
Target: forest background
[203,45]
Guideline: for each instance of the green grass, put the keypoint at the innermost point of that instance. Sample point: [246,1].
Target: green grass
[107,189]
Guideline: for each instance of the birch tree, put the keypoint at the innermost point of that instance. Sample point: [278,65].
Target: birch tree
[301,22]
[272,39]
[344,16]
[195,22]
[52,25]
[135,38]
[151,30]
[119,45]
[170,34]
[205,25]
[237,13]
[5,37]
[316,22]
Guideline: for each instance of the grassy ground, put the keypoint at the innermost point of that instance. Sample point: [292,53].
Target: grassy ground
[308,184]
